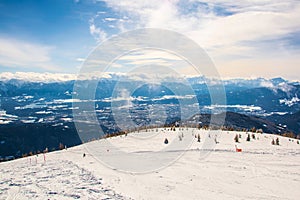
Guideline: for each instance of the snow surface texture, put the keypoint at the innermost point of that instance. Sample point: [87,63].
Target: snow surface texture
[260,171]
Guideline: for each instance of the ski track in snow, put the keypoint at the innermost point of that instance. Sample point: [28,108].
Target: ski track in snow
[60,179]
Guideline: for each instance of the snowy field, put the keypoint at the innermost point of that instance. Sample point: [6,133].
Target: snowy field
[203,170]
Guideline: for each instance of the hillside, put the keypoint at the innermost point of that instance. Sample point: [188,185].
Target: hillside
[238,121]
[290,120]
[200,170]
[17,139]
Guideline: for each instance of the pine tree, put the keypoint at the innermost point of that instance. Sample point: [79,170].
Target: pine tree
[253,129]
[236,138]
[277,141]
[248,138]
[273,142]
[166,141]
[61,146]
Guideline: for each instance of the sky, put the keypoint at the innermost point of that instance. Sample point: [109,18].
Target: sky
[247,38]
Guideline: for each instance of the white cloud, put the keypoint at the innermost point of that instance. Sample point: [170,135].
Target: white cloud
[154,58]
[80,59]
[37,77]
[97,32]
[251,20]
[228,30]
[157,62]
[21,54]
[150,54]
[110,19]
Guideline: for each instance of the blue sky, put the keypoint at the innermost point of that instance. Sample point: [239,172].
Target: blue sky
[244,38]
[58,30]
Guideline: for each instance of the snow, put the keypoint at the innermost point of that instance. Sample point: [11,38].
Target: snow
[62,77]
[250,108]
[31,106]
[291,102]
[7,118]
[66,119]
[37,77]
[28,121]
[168,97]
[273,113]
[260,171]
[43,112]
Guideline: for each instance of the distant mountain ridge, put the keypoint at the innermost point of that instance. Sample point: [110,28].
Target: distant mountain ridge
[40,106]
[23,77]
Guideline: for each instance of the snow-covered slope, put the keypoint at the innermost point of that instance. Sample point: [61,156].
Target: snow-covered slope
[260,171]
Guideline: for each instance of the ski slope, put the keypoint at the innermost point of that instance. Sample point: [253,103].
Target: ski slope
[201,171]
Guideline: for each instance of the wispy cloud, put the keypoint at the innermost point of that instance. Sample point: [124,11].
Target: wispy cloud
[21,54]
[97,32]
[244,21]
[231,31]
[80,59]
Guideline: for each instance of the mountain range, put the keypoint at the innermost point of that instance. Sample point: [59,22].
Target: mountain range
[42,106]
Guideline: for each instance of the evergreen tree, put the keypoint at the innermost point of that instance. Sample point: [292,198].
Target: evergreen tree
[61,146]
[248,138]
[166,141]
[277,141]
[236,138]
[273,142]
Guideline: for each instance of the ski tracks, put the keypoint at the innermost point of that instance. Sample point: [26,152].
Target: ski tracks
[58,179]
